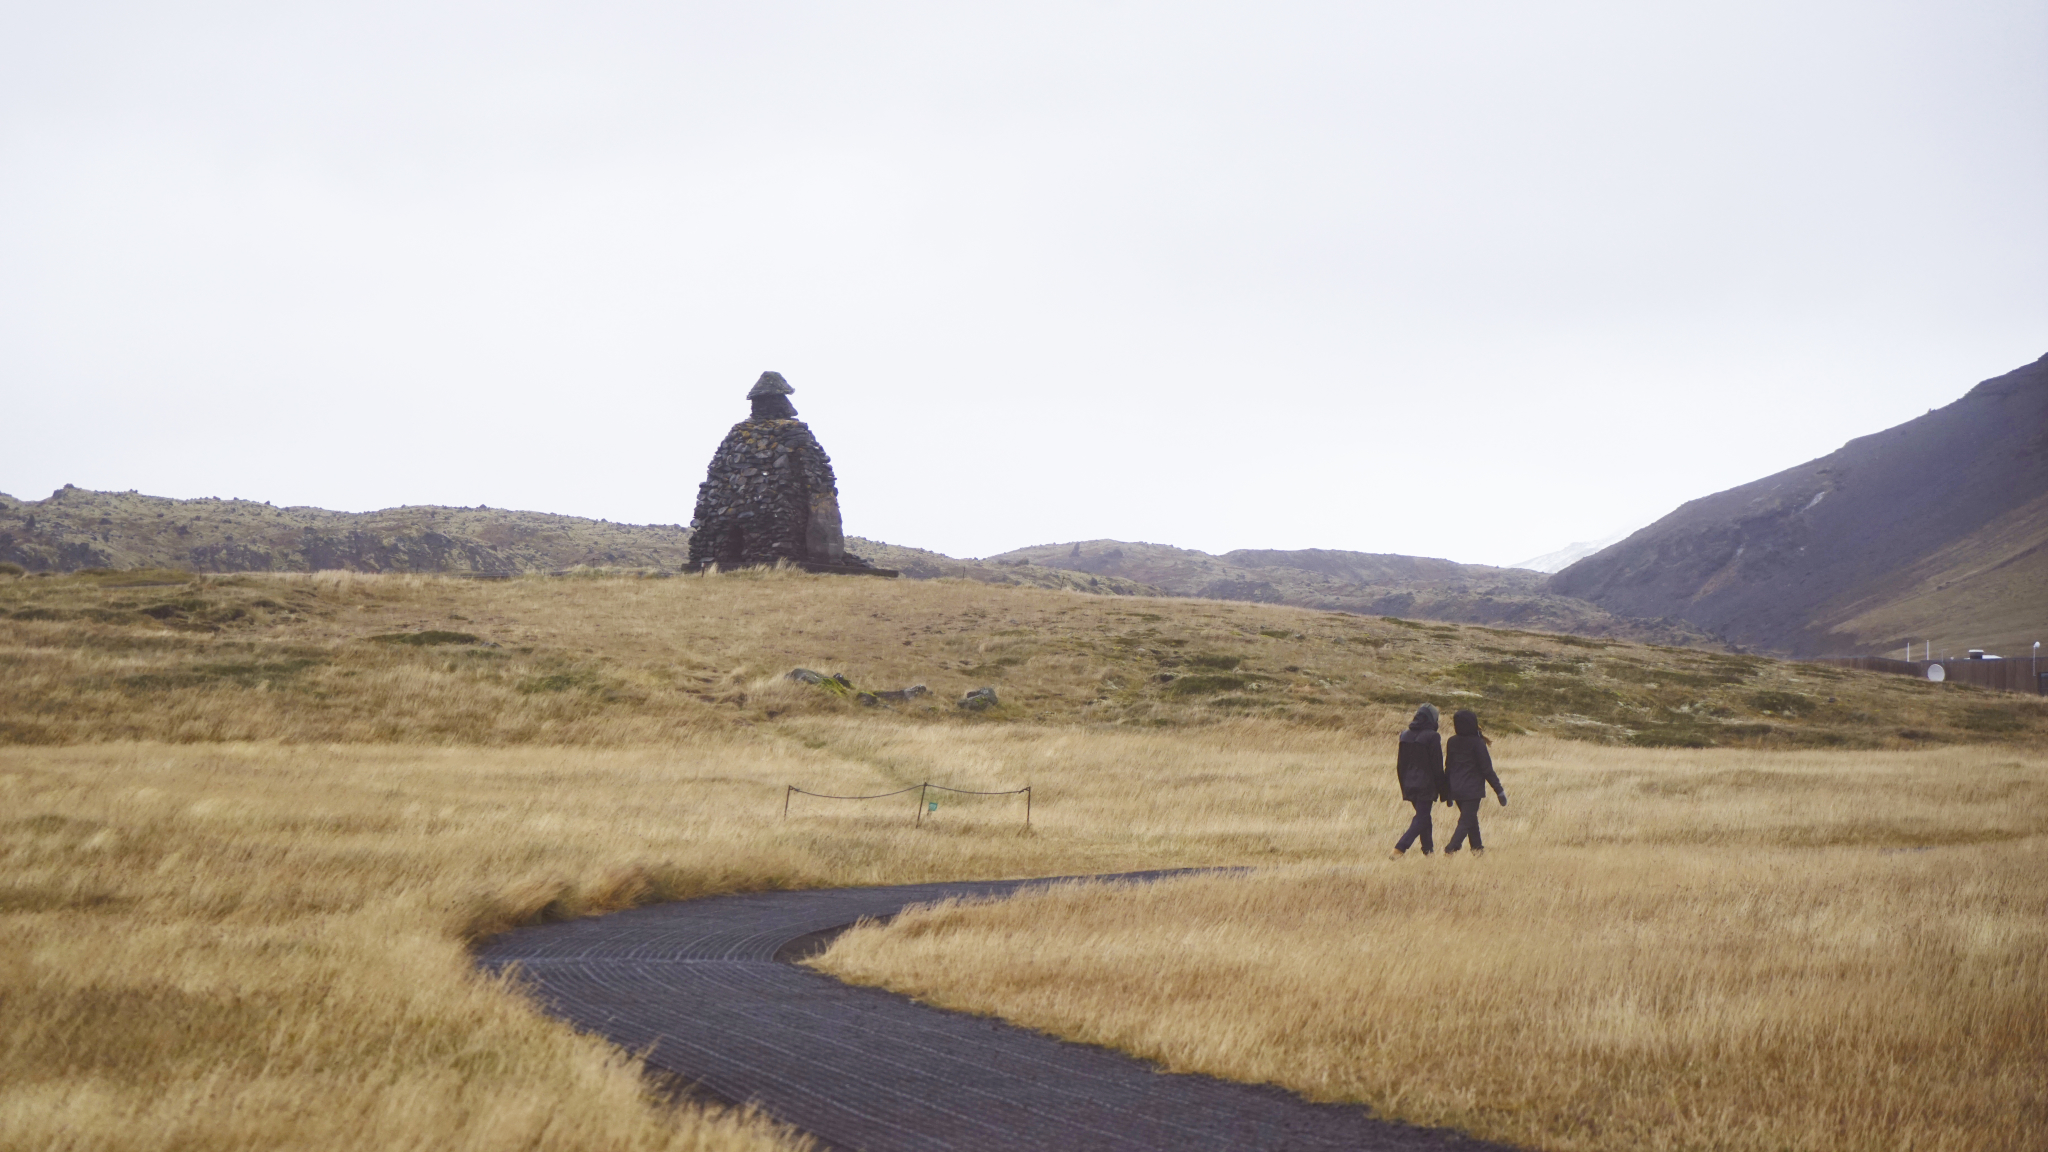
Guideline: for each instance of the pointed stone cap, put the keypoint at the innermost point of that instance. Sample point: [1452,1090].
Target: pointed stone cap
[770,384]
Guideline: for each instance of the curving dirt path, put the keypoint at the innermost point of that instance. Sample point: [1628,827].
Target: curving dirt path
[707,988]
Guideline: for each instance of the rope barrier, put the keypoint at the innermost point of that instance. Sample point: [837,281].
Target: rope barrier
[876,796]
[790,790]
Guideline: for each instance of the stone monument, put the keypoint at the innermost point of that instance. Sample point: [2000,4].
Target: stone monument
[770,496]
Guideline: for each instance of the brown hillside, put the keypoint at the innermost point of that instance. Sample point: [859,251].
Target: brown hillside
[1935,529]
[1987,590]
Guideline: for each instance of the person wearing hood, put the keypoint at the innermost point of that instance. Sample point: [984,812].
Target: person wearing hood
[1468,769]
[1419,768]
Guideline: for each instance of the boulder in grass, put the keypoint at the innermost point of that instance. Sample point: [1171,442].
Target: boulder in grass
[837,683]
[804,676]
[906,694]
[979,700]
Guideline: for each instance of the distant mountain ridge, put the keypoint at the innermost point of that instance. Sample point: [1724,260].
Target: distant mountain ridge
[78,528]
[1936,529]
[1365,583]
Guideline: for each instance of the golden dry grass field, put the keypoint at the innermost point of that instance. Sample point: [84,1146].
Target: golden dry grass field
[1680,949]
[249,826]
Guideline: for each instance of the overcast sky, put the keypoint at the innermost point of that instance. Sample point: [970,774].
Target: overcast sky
[1472,280]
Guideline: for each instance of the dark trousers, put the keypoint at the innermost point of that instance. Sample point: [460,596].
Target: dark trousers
[1468,826]
[1419,827]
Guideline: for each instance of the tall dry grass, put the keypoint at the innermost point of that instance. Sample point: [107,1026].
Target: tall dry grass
[244,844]
[264,945]
[1721,950]
[258,946]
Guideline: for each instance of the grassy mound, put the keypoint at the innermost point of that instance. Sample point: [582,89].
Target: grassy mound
[614,661]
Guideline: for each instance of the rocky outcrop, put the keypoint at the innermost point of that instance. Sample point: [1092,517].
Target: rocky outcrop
[839,685]
[770,496]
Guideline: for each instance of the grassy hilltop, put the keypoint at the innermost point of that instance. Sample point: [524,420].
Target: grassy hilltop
[158,655]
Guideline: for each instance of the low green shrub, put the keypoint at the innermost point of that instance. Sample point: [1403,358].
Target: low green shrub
[1674,737]
[1783,703]
[1990,719]
[426,639]
[1204,685]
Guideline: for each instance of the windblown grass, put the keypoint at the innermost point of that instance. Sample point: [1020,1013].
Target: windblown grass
[1721,950]
[257,946]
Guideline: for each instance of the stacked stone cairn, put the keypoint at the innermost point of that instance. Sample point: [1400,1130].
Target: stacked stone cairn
[770,496]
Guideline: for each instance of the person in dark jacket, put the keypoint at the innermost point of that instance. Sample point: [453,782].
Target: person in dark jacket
[1468,769]
[1419,767]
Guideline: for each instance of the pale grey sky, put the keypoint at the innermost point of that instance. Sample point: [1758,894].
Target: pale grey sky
[1469,280]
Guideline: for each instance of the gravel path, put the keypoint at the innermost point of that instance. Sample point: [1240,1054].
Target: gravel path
[707,990]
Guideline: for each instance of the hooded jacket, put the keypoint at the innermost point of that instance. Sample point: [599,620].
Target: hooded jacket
[1468,766]
[1420,764]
